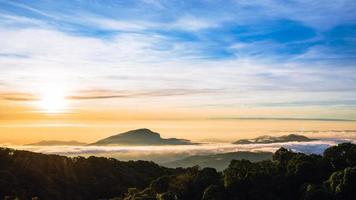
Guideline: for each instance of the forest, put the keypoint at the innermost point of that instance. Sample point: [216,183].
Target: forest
[288,175]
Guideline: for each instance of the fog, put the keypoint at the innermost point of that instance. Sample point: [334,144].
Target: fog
[162,154]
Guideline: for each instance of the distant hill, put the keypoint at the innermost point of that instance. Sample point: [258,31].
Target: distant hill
[57,143]
[219,161]
[140,137]
[270,139]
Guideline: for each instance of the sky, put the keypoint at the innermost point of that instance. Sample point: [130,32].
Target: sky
[194,69]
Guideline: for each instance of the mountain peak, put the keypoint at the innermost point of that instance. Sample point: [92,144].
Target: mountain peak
[141,136]
[141,131]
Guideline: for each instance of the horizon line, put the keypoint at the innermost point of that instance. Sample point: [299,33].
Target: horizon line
[282,119]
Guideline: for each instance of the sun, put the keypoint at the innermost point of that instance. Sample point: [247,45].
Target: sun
[53,98]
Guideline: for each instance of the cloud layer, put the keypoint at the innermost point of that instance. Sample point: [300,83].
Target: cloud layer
[170,153]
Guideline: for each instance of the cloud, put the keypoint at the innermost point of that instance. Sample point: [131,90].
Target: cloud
[16,21]
[17,97]
[110,94]
[105,94]
[184,49]
[112,24]
[186,23]
[30,8]
[151,152]
[192,23]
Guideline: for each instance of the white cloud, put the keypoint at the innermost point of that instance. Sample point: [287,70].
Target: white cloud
[119,25]
[186,23]
[80,59]
[150,61]
[191,23]
[162,153]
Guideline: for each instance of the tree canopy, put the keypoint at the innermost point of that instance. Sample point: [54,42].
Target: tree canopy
[289,175]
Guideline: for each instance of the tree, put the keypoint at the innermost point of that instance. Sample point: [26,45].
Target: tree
[214,192]
[343,183]
[341,156]
[315,192]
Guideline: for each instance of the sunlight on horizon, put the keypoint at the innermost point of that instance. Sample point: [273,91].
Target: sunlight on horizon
[53,98]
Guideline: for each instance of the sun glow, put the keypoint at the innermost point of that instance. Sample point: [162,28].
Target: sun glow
[53,98]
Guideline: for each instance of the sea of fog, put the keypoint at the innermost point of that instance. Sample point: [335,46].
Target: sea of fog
[162,154]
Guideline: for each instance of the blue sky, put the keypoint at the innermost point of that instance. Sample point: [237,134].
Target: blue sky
[223,53]
[286,29]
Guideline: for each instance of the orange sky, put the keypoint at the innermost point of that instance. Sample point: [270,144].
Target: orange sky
[24,122]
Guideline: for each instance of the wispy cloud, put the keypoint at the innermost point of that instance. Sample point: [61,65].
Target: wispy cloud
[111,94]
[260,53]
[18,97]
[105,94]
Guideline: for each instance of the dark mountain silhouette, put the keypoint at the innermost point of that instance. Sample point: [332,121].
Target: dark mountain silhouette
[57,143]
[270,139]
[219,161]
[140,137]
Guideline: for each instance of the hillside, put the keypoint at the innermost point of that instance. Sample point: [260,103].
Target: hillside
[271,139]
[140,137]
[26,174]
[219,161]
[288,175]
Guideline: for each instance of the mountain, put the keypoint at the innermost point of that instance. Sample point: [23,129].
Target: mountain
[270,139]
[57,143]
[140,137]
[219,161]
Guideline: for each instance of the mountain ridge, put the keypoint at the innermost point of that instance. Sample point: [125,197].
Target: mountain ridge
[266,139]
[141,136]
[218,161]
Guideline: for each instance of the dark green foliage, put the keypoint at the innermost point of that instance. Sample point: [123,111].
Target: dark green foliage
[289,175]
[25,175]
[160,185]
[188,185]
[282,157]
[316,192]
[191,184]
[341,156]
[214,192]
[343,183]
